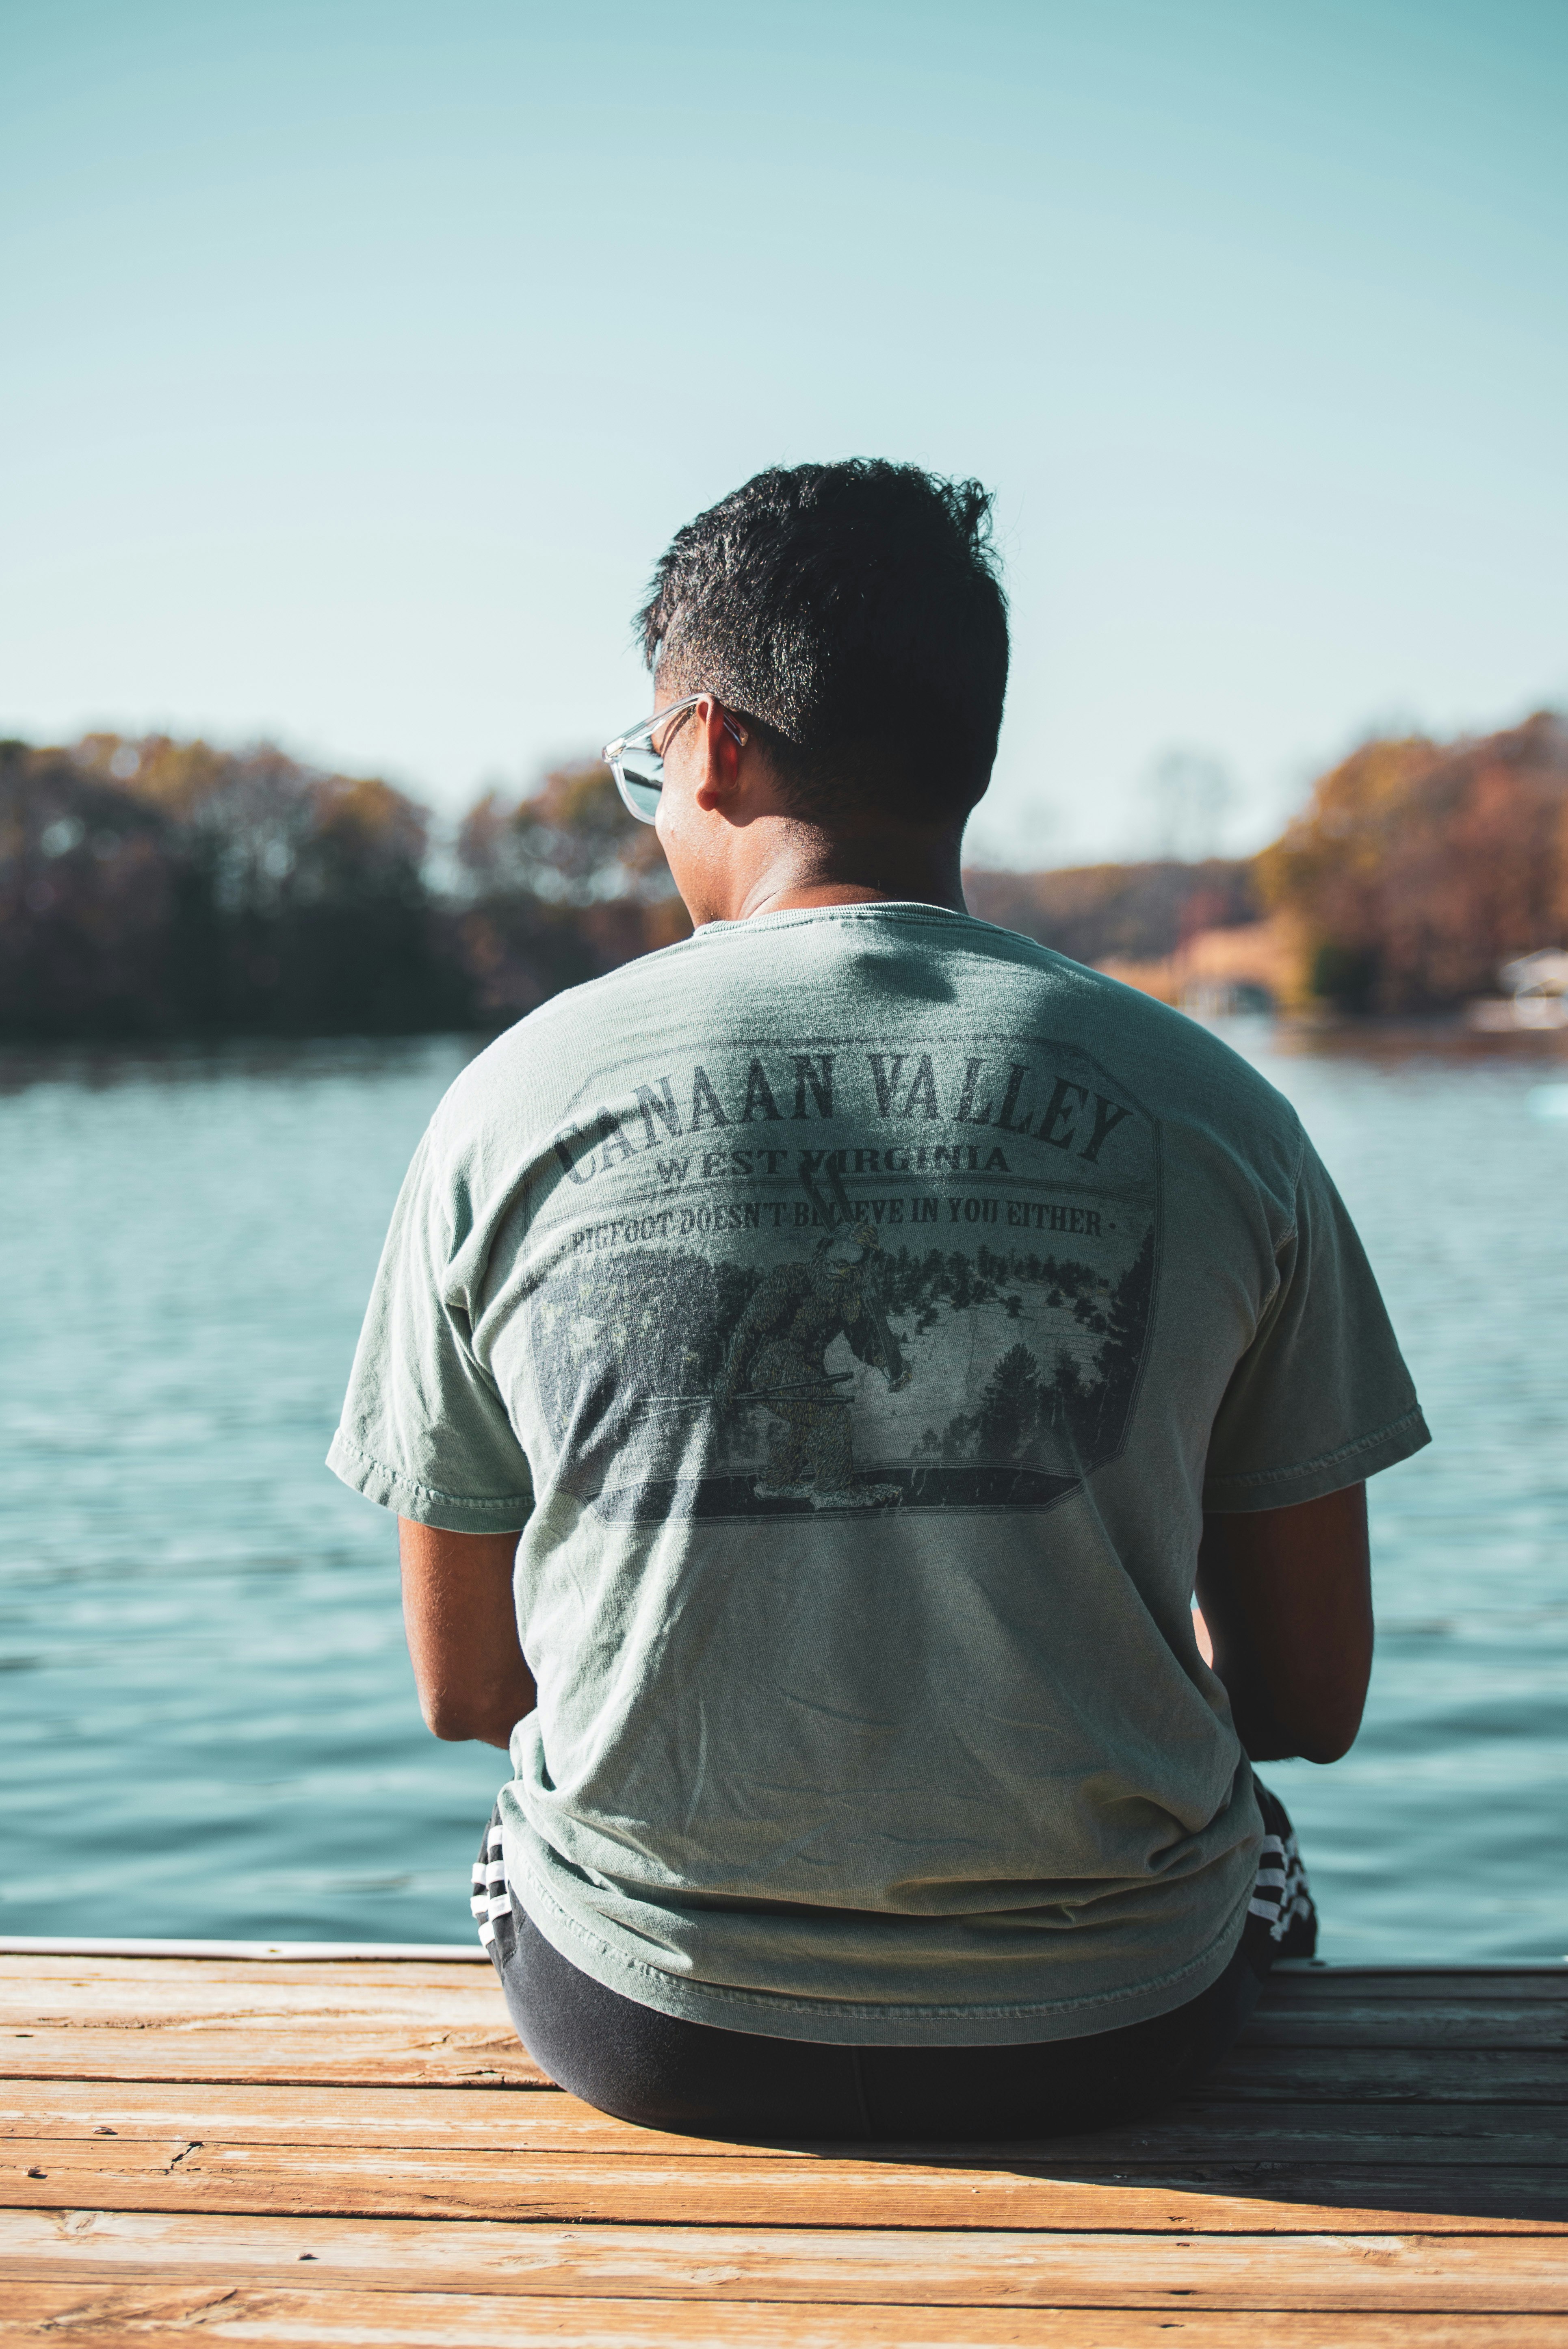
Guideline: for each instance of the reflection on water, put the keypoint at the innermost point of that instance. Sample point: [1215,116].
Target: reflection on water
[208,1724]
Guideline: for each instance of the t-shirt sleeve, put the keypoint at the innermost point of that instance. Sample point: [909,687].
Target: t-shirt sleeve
[1321,1399]
[424,1430]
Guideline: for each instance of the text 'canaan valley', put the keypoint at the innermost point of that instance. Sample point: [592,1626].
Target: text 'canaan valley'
[902,1089]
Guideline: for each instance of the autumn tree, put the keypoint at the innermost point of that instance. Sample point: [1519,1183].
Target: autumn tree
[154,887]
[560,886]
[89,893]
[1133,913]
[1417,868]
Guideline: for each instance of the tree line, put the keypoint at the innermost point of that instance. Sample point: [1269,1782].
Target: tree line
[154,888]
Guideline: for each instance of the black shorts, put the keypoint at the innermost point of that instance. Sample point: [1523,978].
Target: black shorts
[663,2071]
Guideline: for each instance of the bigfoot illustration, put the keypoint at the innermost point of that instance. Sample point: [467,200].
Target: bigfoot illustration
[777,1358]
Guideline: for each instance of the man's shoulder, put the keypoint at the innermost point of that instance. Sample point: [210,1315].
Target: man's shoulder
[1179,1057]
[550,1044]
[1192,1083]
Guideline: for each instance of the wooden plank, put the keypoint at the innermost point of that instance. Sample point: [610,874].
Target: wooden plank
[1385,2272]
[1476,2134]
[256,2051]
[233,1985]
[50,2020]
[1544,1979]
[452,1995]
[1359,1984]
[1281,2075]
[97,1966]
[1428,2023]
[431,2054]
[143,1991]
[193,1976]
[1444,2029]
[323,2018]
[105,1990]
[99,1945]
[758,2190]
[454,2059]
[191,2019]
[163,2316]
[548,2121]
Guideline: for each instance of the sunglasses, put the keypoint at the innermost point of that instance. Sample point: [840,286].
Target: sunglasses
[637,763]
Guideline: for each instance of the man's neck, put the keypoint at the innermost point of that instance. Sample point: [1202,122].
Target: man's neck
[805,867]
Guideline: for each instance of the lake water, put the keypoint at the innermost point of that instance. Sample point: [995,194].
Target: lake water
[207,1721]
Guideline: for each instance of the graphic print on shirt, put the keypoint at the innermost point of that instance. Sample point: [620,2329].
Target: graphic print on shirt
[829,1276]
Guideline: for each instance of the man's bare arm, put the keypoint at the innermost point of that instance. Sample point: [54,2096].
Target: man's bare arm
[1286,1595]
[461,1624]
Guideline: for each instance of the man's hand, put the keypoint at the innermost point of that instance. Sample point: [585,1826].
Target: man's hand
[461,1625]
[1286,1595]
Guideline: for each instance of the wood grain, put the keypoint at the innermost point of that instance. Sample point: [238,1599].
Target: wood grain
[86,1965]
[69,1987]
[208,2019]
[761,2189]
[1543,1976]
[163,2316]
[1439,2022]
[1279,2076]
[1503,2274]
[548,2121]
[66,1989]
[262,2051]
[459,2002]
[346,2150]
[1314,1984]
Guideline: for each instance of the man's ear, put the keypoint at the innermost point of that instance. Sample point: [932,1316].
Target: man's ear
[719,757]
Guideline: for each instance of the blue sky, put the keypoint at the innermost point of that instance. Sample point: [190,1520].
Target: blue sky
[360,359]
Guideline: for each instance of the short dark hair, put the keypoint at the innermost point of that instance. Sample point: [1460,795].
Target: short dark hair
[853,613]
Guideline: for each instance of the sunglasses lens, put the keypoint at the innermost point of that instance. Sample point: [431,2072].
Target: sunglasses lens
[641,775]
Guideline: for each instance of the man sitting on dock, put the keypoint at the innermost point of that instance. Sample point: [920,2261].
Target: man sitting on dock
[867,1776]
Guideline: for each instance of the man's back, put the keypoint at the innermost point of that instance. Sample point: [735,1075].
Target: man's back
[861,1305]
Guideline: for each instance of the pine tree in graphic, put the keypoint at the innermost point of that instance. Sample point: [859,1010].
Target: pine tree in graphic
[1009,1405]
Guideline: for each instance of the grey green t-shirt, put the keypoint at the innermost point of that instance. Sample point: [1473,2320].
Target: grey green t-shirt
[856,1309]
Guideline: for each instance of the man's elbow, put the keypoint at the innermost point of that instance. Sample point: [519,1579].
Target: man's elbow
[469,1718]
[1326,1732]
[1324,1749]
[449,1718]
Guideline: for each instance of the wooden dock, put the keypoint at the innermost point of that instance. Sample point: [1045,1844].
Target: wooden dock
[356,2150]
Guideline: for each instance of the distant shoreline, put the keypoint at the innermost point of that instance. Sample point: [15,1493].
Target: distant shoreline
[1362,1035]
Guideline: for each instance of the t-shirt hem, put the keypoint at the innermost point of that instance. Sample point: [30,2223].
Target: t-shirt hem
[1348,1464]
[854,2023]
[449,1512]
